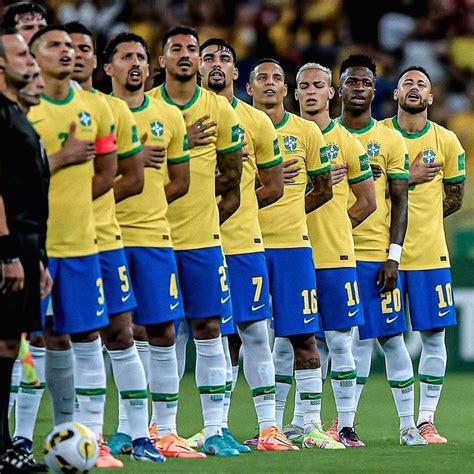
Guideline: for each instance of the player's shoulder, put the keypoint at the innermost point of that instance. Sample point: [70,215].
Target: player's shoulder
[252,113]
[388,133]
[443,132]
[303,126]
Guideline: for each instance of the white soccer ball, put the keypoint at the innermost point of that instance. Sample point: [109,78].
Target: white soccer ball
[70,447]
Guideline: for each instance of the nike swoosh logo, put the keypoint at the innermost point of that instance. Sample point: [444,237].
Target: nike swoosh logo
[443,313]
[214,389]
[125,298]
[226,320]
[174,306]
[224,300]
[36,121]
[256,308]
[308,320]
[428,380]
[152,455]
[406,384]
[352,313]
[389,321]
[100,312]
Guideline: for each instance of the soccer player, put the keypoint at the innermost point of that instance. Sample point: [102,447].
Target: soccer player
[146,230]
[287,245]
[330,231]
[24,179]
[378,244]
[243,244]
[195,219]
[25,17]
[437,174]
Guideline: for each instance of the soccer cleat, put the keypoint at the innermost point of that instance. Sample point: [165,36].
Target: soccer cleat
[252,441]
[294,433]
[196,441]
[332,431]
[233,443]
[216,446]
[13,461]
[143,450]
[430,433]
[411,437]
[25,446]
[153,430]
[173,446]
[105,459]
[317,438]
[272,439]
[349,438]
[120,443]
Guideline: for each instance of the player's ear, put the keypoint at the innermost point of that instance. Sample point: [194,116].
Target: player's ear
[332,92]
[286,90]
[236,74]
[249,89]
[108,69]
[430,99]
[95,61]
[339,90]
[2,64]
[147,74]
[296,95]
[395,94]
[162,62]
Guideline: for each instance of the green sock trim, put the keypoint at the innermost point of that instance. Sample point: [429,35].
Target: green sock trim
[134,394]
[256,392]
[90,392]
[41,386]
[228,386]
[361,380]
[14,388]
[288,379]
[346,375]
[164,397]
[431,379]
[401,383]
[310,396]
[211,389]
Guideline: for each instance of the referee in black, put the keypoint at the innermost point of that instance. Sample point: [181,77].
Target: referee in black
[24,280]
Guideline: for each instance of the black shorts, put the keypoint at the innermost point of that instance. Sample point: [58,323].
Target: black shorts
[21,312]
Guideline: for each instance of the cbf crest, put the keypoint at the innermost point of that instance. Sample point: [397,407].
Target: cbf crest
[332,150]
[290,143]
[429,155]
[157,128]
[85,119]
[373,149]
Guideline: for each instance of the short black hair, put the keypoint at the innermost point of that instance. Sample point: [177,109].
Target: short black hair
[21,8]
[415,68]
[124,37]
[263,61]
[179,30]
[358,60]
[45,30]
[81,29]
[220,43]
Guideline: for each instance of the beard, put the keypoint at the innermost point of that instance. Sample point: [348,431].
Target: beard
[415,108]
[216,85]
[133,87]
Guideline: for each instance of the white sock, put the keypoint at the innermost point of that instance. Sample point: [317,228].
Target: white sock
[90,382]
[324,357]
[164,387]
[309,385]
[210,380]
[298,419]
[343,376]
[362,352]
[235,376]
[29,397]
[144,354]
[228,383]
[15,384]
[259,370]
[182,339]
[431,371]
[400,377]
[283,357]
[130,380]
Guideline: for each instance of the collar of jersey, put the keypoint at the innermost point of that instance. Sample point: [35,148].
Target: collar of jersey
[408,134]
[283,121]
[60,102]
[358,131]
[185,106]
[145,103]
[331,125]
[234,102]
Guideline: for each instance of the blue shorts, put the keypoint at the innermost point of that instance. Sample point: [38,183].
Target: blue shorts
[383,314]
[293,290]
[250,291]
[78,299]
[338,299]
[430,298]
[203,280]
[155,282]
[117,288]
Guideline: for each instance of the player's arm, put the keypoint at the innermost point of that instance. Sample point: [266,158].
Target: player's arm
[105,170]
[365,204]
[454,175]
[421,172]
[130,177]
[321,192]
[271,185]
[179,179]
[229,168]
[453,196]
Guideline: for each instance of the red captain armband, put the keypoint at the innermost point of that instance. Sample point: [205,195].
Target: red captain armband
[105,145]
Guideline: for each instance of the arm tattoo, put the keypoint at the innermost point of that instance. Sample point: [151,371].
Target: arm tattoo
[453,198]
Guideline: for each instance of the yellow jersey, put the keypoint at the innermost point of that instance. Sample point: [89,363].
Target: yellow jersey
[142,218]
[425,243]
[329,227]
[384,147]
[283,223]
[194,218]
[241,232]
[71,226]
[109,236]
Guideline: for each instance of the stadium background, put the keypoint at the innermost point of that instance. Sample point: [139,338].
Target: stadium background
[436,34]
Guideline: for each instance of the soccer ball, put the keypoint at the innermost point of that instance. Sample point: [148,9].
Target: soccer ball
[70,447]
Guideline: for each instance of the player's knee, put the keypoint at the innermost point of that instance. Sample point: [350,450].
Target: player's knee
[37,340]
[57,342]
[338,342]
[161,335]
[306,352]
[139,333]
[206,328]
[9,348]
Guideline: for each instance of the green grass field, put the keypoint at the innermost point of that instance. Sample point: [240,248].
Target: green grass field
[377,426]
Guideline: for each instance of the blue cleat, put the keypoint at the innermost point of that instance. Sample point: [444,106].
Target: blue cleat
[216,446]
[233,443]
[143,450]
[120,443]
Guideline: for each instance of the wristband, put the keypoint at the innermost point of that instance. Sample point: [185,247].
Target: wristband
[9,247]
[394,252]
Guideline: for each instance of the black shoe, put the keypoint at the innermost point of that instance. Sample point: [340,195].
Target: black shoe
[23,446]
[349,438]
[13,461]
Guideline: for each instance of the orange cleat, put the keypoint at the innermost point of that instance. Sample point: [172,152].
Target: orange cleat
[272,439]
[332,431]
[430,433]
[173,446]
[105,459]
[153,430]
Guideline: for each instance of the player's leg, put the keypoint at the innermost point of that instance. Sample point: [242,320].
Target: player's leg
[362,352]
[15,384]
[283,361]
